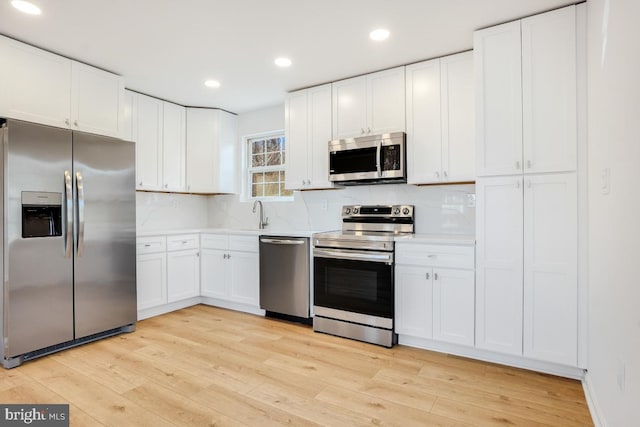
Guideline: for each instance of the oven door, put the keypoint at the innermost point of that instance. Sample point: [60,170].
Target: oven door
[354,281]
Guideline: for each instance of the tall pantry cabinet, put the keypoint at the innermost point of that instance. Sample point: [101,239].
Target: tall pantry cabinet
[527,218]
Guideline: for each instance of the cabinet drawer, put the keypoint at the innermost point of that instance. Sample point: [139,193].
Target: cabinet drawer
[449,256]
[182,241]
[213,241]
[150,245]
[243,243]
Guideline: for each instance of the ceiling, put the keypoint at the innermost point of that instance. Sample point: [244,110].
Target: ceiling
[168,48]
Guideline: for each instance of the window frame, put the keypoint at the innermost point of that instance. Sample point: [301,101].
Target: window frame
[249,170]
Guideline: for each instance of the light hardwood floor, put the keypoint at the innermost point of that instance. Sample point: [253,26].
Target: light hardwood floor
[204,366]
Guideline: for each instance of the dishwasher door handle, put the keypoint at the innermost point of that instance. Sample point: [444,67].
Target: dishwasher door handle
[282,241]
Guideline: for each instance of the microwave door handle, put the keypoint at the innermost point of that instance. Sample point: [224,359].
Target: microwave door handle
[378,160]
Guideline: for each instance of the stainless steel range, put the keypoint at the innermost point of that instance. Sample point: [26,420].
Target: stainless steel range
[353,273]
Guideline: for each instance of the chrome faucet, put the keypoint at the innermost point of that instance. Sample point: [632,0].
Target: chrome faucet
[263,221]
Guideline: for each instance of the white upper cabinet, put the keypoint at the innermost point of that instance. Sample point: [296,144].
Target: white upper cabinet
[41,87]
[128,112]
[549,86]
[211,151]
[35,85]
[174,147]
[97,101]
[440,120]
[526,95]
[148,137]
[498,84]
[307,132]
[369,105]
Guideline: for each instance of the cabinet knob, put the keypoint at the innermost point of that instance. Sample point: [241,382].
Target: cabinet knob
[529,164]
[308,182]
[166,186]
[361,131]
[437,174]
[518,164]
[368,130]
[445,174]
[518,184]
[428,276]
[66,122]
[528,183]
[140,184]
[435,276]
[75,122]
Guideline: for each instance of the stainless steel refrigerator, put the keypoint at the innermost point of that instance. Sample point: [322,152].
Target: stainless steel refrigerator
[68,229]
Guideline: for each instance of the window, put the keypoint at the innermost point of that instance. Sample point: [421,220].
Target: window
[265,165]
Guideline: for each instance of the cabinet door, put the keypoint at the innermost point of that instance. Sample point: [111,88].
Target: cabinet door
[550,268]
[183,274]
[225,161]
[97,100]
[454,306]
[319,135]
[498,97]
[499,264]
[202,128]
[385,102]
[349,107]
[424,135]
[151,280]
[244,277]
[214,278]
[148,138]
[458,119]
[174,148]
[414,301]
[549,91]
[34,85]
[296,140]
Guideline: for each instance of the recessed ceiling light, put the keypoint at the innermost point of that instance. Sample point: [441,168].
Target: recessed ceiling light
[282,62]
[212,83]
[379,34]
[26,7]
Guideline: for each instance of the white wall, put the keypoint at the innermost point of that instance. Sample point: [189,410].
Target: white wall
[614,226]
[162,212]
[439,209]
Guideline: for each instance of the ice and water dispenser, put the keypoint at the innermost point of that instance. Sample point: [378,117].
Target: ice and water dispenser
[41,214]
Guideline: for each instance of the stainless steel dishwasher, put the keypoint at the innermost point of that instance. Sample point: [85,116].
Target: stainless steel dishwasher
[284,276]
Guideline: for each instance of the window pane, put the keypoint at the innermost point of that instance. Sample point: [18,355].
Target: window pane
[257,160]
[257,146]
[273,145]
[257,177]
[274,159]
[257,190]
[271,176]
[272,189]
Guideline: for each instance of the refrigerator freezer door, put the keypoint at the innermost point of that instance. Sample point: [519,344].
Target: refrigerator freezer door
[104,247]
[38,278]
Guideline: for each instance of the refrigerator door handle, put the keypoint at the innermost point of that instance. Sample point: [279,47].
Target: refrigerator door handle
[68,218]
[80,212]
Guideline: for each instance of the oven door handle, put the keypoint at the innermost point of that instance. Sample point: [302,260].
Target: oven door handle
[282,241]
[352,255]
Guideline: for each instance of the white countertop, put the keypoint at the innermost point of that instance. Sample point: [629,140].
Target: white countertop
[442,239]
[241,231]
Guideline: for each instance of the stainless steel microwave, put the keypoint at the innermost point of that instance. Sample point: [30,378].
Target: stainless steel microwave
[368,159]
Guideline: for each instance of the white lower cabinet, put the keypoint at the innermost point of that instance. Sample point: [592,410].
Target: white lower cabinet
[168,273]
[151,272]
[231,270]
[435,292]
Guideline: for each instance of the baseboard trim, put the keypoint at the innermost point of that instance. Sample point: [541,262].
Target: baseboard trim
[167,308]
[592,402]
[237,306]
